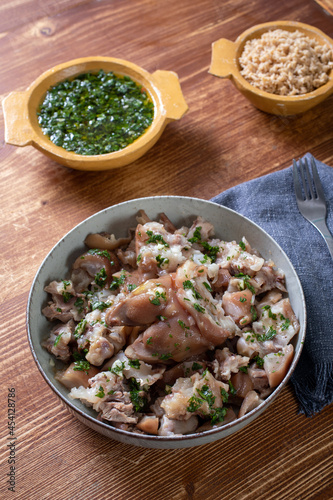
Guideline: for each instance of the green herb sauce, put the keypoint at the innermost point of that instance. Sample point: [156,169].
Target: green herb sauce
[95,114]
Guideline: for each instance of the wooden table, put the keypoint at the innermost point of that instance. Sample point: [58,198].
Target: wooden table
[220,142]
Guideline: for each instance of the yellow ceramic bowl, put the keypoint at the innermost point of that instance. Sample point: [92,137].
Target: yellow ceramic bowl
[225,64]
[22,128]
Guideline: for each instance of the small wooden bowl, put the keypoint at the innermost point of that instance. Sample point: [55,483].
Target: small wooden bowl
[21,122]
[225,64]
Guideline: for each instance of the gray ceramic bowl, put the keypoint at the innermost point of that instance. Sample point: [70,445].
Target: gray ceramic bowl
[228,224]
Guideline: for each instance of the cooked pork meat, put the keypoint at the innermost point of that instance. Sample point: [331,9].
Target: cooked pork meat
[172,330]
[59,339]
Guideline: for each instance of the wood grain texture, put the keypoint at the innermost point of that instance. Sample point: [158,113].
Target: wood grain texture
[220,142]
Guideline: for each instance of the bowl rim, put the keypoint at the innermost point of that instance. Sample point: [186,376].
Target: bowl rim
[142,77]
[177,438]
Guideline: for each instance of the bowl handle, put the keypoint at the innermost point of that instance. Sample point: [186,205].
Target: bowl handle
[172,96]
[223,61]
[18,130]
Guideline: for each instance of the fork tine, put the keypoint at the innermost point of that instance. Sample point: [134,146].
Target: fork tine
[297,184]
[309,178]
[317,182]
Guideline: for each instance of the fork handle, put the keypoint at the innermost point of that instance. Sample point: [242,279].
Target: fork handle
[320,224]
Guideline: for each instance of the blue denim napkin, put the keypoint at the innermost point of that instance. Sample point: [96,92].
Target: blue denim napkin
[270,202]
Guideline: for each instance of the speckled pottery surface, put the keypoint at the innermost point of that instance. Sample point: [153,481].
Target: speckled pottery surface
[22,128]
[225,64]
[228,224]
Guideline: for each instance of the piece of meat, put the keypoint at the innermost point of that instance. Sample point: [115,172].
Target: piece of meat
[61,307]
[184,369]
[148,424]
[276,365]
[194,293]
[117,411]
[236,258]
[258,378]
[238,305]
[202,227]
[157,344]
[144,373]
[221,282]
[268,278]
[242,383]
[157,250]
[274,330]
[91,265]
[103,387]
[57,343]
[169,427]
[71,377]
[143,305]
[251,401]
[187,399]
[172,334]
[229,417]
[226,363]
[105,241]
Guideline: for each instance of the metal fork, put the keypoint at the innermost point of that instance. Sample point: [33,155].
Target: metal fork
[311,199]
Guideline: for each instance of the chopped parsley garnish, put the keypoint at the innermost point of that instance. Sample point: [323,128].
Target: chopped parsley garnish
[243,369]
[165,357]
[149,340]
[270,313]
[80,328]
[117,368]
[207,285]
[67,296]
[196,235]
[196,366]
[102,253]
[58,337]
[224,395]
[205,394]
[199,308]
[116,282]
[82,365]
[194,404]
[259,361]
[100,393]
[134,363]
[182,325]
[139,401]
[131,287]
[286,324]
[156,300]
[188,285]
[79,304]
[101,277]
[242,245]
[211,251]
[101,306]
[245,282]
[269,335]
[161,261]
[254,313]
[231,388]
[242,299]
[156,238]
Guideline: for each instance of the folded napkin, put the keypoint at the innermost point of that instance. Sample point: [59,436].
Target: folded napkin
[270,202]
